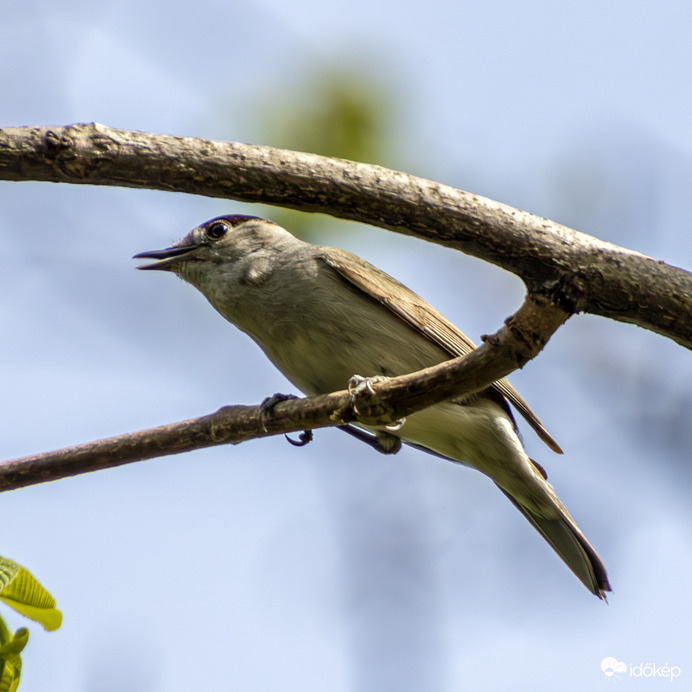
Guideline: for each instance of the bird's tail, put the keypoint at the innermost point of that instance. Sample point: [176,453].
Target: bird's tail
[570,544]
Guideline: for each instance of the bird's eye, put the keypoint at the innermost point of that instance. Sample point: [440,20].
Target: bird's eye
[217,230]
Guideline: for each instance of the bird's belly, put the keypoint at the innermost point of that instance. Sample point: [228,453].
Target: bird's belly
[318,362]
[479,435]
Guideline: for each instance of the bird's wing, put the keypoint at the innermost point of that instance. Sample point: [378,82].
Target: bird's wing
[565,538]
[424,318]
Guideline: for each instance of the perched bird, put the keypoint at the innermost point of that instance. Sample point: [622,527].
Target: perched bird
[321,315]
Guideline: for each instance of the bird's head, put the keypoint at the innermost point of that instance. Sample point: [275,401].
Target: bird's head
[220,240]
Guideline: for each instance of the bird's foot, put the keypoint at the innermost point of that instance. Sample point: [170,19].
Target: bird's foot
[266,408]
[305,438]
[358,386]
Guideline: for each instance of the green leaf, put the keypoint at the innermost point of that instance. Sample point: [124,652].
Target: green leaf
[10,659]
[21,591]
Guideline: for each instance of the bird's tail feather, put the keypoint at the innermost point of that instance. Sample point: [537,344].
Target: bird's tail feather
[571,545]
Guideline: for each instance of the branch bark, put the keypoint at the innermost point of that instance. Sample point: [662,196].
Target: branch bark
[571,269]
[520,339]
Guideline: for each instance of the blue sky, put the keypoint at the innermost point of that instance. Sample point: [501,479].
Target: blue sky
[266,567]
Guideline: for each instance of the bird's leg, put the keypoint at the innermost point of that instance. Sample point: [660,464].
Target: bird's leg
[266,409]
[381,442]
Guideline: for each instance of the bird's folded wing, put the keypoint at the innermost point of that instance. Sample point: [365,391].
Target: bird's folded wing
[424,318]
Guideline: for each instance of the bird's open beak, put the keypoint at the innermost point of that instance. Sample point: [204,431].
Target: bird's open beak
[166,258]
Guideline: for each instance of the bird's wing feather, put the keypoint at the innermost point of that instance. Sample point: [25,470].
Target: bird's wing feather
[424,318]
[570,544]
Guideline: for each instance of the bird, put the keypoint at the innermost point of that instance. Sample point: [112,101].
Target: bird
[322,315]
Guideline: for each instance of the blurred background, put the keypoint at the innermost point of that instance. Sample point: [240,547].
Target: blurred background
[264,566]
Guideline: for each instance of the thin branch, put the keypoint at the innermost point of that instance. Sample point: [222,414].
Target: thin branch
[572,269]
[520,339]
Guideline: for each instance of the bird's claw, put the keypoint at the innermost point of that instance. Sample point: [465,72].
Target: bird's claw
[303,439]
[268,405]
[266,408]
[358,385]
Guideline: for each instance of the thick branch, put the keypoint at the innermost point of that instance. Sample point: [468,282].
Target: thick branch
[575,270]
[522,337]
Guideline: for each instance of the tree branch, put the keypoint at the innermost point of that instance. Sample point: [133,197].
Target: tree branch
[520,339]
[571,269]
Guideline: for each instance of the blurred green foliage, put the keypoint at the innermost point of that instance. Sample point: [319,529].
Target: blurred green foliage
[340,112]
